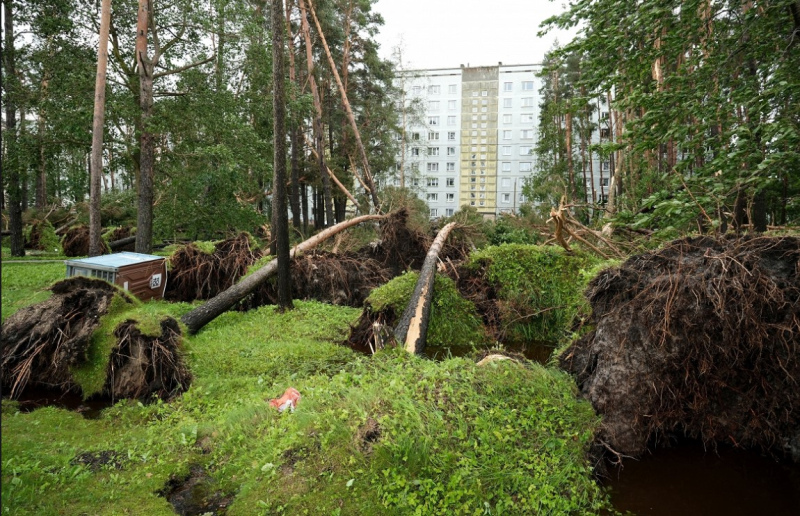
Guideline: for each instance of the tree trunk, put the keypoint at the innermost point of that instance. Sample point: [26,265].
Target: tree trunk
[280,216]
[222,302]
[570,165]
[362,151]
[412,328]
[144,219]
[11,165]
[118,244]
[95,245]
[317,122]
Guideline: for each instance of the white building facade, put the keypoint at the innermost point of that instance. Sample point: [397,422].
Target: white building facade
[468,136]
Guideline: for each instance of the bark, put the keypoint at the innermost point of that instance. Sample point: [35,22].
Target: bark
[11,163]
[317,123]
[95,247]
[280,216]
[144,219]
[412,327]
[294,193]
[570,164]
[207,312]
[359,144]
[122,242]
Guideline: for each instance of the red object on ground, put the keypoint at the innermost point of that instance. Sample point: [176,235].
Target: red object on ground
[288,400]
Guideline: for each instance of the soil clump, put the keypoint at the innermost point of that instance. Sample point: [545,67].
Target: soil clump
[698,339]
[76,242]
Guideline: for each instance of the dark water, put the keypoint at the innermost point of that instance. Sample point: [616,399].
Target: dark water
[535,351]
[687,480]
[34,398]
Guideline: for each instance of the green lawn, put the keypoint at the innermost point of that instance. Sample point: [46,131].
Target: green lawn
[371,435]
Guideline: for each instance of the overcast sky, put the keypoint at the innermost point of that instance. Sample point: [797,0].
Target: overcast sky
[448,33]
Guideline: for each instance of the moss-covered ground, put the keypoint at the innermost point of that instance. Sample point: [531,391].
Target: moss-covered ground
[384,434]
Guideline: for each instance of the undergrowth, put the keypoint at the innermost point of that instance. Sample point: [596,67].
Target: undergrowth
[390,433]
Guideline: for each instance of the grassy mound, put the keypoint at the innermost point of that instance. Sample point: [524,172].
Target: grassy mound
[527,292]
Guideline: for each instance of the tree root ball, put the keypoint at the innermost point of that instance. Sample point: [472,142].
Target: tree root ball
[44,344]
[700,339]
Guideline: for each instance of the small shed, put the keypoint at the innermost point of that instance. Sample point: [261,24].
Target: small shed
[144,275]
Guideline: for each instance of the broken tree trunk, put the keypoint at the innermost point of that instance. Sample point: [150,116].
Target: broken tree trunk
[412,328]
[122,242]
[215,306]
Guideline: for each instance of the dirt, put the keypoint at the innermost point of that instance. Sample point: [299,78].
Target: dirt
[196,494]
[95,461]
[76,242]
[698,339]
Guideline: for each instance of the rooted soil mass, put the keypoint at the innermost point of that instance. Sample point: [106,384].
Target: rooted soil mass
[41,344]
[698,339]
[76,242]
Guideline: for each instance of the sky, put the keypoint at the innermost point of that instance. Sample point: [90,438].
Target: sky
[448,33]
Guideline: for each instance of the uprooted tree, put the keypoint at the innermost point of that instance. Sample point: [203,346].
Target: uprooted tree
[698,339]
[219,304]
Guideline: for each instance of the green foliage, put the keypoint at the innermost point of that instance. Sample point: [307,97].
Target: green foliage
[512,230]
[454,321]
[48,240]
[540,287]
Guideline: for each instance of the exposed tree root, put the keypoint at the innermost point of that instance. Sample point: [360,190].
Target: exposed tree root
[700,338]
[76,242]
[43,342]
[195,274]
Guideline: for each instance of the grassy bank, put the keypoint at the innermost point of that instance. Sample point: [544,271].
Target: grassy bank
[389,433]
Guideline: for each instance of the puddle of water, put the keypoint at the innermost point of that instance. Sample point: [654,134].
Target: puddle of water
[687,480]
[535,351]
[33,398]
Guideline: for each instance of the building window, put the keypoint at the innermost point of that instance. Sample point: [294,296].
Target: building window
[604,115]
[506,198]
[451,105]
[415,151]
[415,182]
[433,135]
[506,150]
[527,85]
[434,90]
[432,182]
[525,166]
[451,120]
[508,86]
[448,212]
[415,136]
[451,167]
[433,120]
[474,110]
[433,105]
[526,118]
[433,151]
[604,181]
[605,166]
[605,132]
[505,182]
[484,93]
[415,166]
[451,181]
[452,134]
[451,151]
[474,93]
[507,103]
[526,134]
[506,119]
[473,179]
[432,196]
[452,88]
[432,167]
[506,135]
[525,150]
[506,166]
[482,203]
[451,197]
[472,203]
[417,90]
[527,101]
[484,110]
[434,212]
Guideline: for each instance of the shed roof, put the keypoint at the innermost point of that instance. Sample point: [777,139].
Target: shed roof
[115,260]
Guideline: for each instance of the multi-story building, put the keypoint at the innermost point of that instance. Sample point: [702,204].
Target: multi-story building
[468,137]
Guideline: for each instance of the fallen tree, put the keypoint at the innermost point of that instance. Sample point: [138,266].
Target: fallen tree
[412,328]
[698,339]
[53,344]
[224,301]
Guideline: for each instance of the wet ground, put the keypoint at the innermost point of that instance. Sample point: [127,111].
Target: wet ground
[687,480]
[34,398]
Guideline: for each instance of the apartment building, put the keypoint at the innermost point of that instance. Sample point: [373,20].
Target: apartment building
[468,136]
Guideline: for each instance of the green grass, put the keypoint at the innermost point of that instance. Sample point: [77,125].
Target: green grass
[24,284]
[453,438]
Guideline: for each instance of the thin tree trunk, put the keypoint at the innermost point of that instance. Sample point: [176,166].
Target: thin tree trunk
[348,110]
[333,176]
[412,328]
[280,216]
[12,162]
[95,244]
[144,219]
[570,165]
[294,193]
[222,302]
[317,122]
